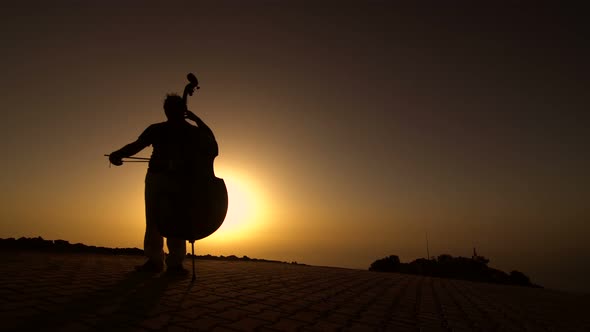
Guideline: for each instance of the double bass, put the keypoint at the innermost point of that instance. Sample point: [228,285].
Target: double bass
[201,200]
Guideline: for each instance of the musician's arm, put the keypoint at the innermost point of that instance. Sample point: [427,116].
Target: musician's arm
[192,116]
[143,141]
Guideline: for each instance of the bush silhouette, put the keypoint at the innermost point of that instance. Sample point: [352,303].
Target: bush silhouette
[387,264]
[447,266]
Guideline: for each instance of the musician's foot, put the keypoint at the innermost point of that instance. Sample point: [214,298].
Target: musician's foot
[149,267]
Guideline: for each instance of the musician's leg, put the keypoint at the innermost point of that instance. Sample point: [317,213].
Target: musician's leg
[177,248]
[153,243]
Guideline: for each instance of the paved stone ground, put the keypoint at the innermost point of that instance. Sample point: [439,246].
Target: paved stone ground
[81,292]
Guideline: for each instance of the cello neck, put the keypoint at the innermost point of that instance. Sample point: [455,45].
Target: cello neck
[189,89]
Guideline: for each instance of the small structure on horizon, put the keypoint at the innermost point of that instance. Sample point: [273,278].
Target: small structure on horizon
[479,259]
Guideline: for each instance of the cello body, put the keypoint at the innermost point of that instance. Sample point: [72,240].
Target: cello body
[194,208]
[208,210]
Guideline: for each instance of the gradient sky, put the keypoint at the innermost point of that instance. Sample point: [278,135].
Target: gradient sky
[346,131]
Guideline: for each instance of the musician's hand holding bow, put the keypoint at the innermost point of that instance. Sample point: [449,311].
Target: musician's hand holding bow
[115,159]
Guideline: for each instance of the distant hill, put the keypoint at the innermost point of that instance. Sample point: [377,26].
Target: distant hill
[40,244]
[447,266]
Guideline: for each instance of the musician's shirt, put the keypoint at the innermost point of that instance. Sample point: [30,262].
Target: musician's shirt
[180,147]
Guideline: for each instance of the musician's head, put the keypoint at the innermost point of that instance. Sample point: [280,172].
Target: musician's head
[174,107]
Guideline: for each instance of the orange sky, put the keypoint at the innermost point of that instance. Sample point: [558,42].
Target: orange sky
[346,132]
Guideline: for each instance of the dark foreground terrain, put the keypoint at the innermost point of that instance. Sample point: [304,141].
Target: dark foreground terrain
[96,292]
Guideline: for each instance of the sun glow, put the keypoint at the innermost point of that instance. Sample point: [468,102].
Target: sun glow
[245,208]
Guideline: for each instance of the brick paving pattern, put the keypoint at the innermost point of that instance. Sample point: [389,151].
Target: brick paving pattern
[88,292]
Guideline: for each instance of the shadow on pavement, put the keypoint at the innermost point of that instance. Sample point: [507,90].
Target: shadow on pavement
[121,305]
